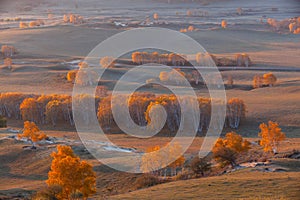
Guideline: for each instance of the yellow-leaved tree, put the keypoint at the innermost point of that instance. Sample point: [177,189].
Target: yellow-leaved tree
[157,160]
[75,177]
[226,150]
[271,135]
[32,132]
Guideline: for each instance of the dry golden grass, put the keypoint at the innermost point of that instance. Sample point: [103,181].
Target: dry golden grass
[245,184]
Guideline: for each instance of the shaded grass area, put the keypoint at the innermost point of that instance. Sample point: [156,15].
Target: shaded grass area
[244,184]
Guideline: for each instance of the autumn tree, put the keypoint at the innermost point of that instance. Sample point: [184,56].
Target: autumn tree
[152,160]
[138,104]
[230,81]
[175,153]
[269,79]
[225,151]
[257,81]
[157,160]
[75,177]
[23,25]
[32,132]
[104,113]
[107,62]
[10,104]
[205,113]
[271,135]
[224,24]
[54,112]
[3,122]
[236,111]
[8,63]
[71,75]
[29,110]
[8,51]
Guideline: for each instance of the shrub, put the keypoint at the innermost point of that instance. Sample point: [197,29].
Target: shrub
[146,180]
[200,165]
[49,193]
[3,122]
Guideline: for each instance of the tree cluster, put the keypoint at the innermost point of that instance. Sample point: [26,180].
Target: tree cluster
[292,24]
[143,106]
[189,29]
[268,79]
[243,60]
[73,19]
[8,51]
[155,57]
[175,76]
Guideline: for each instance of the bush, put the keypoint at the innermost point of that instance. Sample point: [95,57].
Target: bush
[184,175]
[3,122]
[48,193]
[200,165]
[146,181]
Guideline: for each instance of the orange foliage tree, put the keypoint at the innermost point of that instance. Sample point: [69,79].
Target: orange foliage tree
[270,135]
[157,160]
[257,81]
[226,150]
[32,132]
[8,63]
[73,175]
[236,111]
[29,110]
[71,75]
[269,79]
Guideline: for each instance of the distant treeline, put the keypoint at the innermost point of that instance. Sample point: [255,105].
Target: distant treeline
[57,109]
